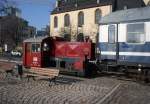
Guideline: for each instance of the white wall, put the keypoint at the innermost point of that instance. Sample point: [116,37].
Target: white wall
[147,30]
[122,30]
[103,30]
[103,33]
[89,28]
[122,33]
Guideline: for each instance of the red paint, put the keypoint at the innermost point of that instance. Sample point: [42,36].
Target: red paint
[31,59]
[58,49]
[76,50]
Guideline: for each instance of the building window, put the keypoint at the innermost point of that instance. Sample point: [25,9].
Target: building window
[125,7]
[66,20]
[111,34]
[55,22]
[67,37]
[98,15]
[80,37]
[80,19]
[135,33]
[148,3]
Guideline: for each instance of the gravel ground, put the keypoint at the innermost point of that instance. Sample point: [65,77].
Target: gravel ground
[130,93]
[72,90]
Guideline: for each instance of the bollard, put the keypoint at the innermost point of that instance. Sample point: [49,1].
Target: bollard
[20,70]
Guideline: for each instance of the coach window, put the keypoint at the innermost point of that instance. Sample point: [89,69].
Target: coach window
[135,33]
[111,34]
[36,48]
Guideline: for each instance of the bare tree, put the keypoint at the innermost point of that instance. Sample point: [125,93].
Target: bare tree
[70,30]
[5,5]
[11,26]
[11,31]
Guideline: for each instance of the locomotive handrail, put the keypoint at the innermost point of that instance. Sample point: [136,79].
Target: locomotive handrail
[70,60]
[66,59]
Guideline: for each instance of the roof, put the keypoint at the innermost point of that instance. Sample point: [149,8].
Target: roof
[73,5]
[129,15]
[66,7]
[37,39]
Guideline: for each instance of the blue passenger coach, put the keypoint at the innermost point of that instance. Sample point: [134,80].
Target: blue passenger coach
[124,38]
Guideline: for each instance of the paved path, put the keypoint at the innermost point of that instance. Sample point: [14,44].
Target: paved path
[70,90]
[130,93]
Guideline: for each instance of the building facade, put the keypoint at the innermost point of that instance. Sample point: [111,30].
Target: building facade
[28,32]
[44,31]
[13,30]
[77,19]
[147,2]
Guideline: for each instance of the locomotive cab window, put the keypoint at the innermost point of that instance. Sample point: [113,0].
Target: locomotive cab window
[36,48]
[136,33]
[111,34]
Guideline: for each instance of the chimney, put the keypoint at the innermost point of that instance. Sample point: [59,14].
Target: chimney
[76,4]
[56,3]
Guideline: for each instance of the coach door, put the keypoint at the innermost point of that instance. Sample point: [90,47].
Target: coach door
[112,42]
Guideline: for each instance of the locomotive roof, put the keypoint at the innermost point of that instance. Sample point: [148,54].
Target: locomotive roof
[129,15]
[37,39]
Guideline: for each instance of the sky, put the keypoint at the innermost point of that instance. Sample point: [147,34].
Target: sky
[36,12]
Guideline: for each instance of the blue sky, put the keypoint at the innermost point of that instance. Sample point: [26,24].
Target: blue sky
[37,12]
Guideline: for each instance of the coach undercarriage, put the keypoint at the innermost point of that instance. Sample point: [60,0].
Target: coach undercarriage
[134,71]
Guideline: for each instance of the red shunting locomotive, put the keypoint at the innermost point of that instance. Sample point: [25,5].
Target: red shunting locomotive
[55,52]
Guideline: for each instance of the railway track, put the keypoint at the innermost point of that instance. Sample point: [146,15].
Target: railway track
[138,77]
[122,76]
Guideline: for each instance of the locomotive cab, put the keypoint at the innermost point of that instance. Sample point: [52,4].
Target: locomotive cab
[36,52]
